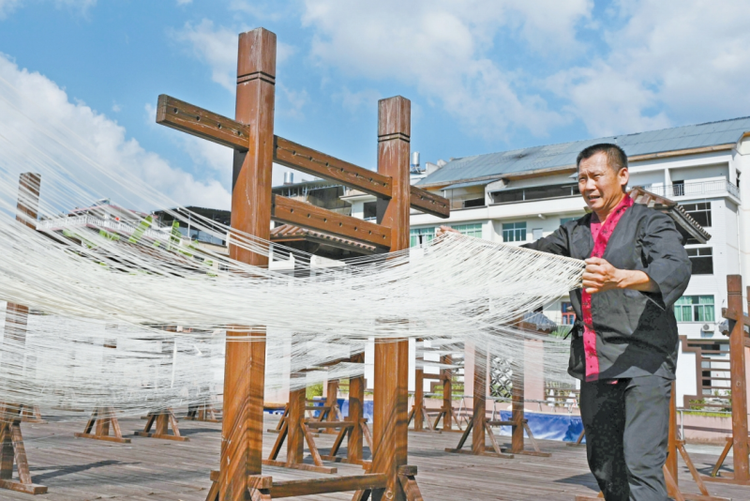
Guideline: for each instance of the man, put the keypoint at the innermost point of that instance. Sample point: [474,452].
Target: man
[624,341]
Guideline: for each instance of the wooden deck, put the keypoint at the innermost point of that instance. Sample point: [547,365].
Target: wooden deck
[161,470]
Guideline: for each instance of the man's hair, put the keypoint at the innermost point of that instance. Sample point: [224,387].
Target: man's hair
[616,157]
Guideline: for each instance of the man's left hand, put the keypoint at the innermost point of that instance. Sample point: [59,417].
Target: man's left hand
[600,276]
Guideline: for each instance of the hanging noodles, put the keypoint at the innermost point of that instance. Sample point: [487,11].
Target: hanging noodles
[136,318]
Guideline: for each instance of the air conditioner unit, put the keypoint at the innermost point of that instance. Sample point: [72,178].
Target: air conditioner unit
[707,328]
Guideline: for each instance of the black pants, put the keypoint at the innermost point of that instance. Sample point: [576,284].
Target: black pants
[627,427]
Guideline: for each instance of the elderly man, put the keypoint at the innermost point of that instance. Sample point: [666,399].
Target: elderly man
[624,341]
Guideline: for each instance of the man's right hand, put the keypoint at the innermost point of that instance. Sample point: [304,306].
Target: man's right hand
[442,230]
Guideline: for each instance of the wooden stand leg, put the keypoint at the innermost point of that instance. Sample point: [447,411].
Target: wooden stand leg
[161,421]
[104,419]
[295,433]
[579,441]
[32,414]
[12,451]
[202,412]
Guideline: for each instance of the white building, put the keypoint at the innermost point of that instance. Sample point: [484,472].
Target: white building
[519,196]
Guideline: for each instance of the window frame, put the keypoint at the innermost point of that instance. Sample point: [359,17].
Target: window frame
[515,229]
[694,308]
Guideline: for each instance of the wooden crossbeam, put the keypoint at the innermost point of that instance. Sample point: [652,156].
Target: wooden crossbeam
[291,488]
[205,124]
[233,134]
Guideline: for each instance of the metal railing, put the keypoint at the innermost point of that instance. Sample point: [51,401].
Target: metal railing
[715,187]
[67,223]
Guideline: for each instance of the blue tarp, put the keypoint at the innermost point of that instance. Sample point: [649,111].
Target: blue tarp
[565,427]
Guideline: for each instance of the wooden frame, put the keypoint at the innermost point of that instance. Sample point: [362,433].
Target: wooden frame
[102,420]
[738,341]
[161,421]
[253,207]
[479,424]
[12,450]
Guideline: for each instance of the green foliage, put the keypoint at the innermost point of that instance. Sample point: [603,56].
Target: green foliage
[315,390]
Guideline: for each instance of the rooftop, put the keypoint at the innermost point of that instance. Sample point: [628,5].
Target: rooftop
[563,155]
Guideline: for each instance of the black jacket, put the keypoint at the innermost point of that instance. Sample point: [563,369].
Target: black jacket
[636,332]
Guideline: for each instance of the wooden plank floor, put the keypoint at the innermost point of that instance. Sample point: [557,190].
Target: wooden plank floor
[160,470]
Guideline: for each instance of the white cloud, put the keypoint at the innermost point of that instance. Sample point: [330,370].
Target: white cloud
[217,47]
[82,6]
[184,2]
[665,65]
[441,47]
[116,107]
[209,154]
[8,6]
[49,108]
[353,102]
[293,101]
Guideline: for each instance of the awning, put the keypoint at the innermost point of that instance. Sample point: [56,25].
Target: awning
[483,182]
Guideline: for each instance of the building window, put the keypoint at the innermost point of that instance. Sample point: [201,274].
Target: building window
[514,232]
[702,260]
[472,230]
[678,188]
[421,235]
[568,315]
[564,220]
[694,309]
[701,212]
[370,211]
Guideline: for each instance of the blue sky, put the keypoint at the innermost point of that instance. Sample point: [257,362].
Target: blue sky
[483,75]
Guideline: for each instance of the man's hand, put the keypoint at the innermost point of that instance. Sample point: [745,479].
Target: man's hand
[601,276]
[442,230]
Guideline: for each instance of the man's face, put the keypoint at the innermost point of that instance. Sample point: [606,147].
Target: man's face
[599,184]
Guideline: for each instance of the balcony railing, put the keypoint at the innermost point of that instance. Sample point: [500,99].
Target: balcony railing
[705,188]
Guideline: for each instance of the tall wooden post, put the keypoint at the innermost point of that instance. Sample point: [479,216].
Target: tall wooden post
[739,381]
[480,400]
[12,450]
[16,315]
[419,399]
[447,393]
[244,373]
[390,416]
[517,413]
[671,464]
[356,413]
